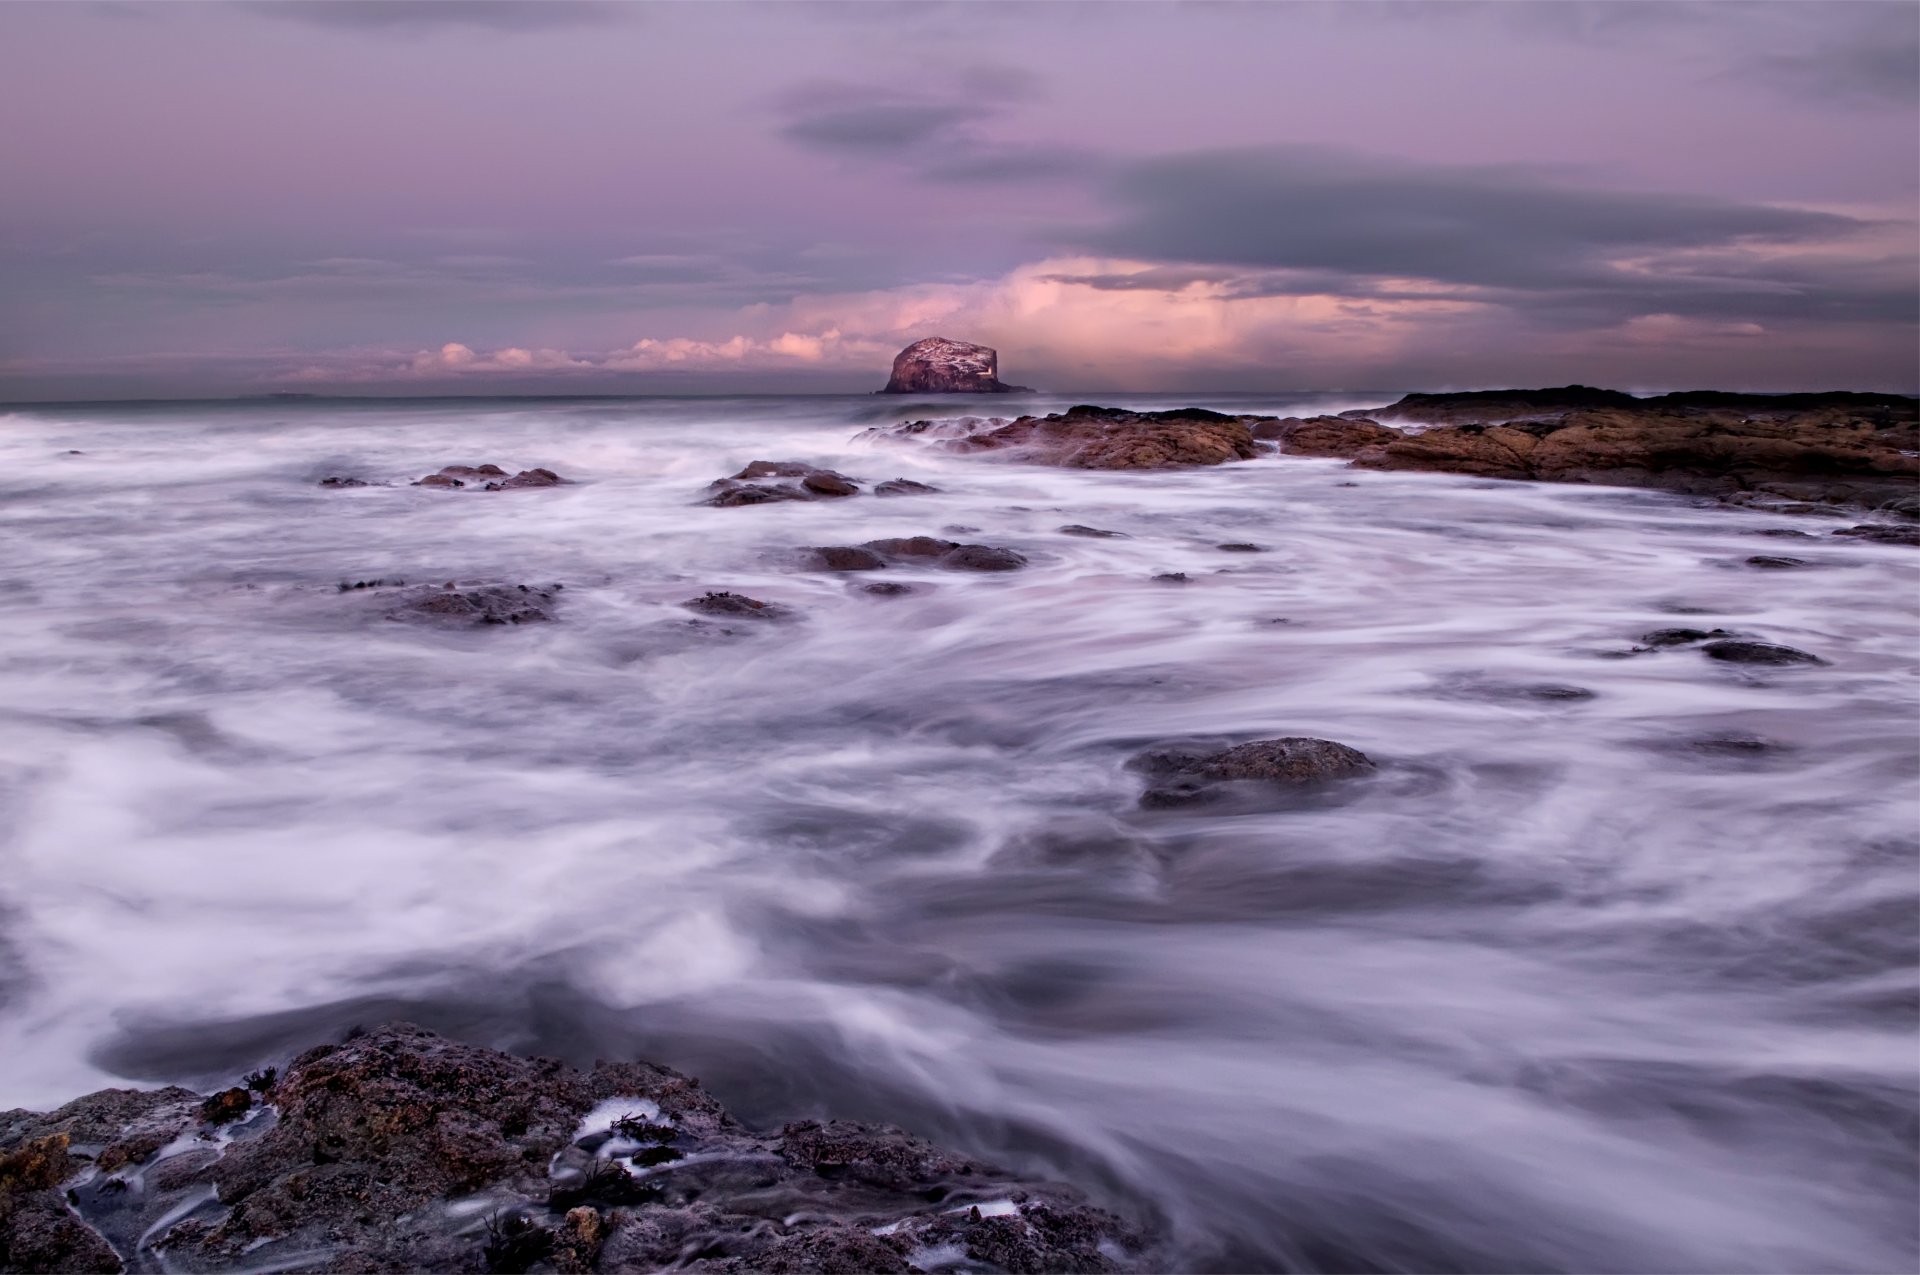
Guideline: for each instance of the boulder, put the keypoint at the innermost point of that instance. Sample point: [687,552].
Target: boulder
[1325,435]
[398,1149]
[488,478]
[454,606]
[937,365]
[1182,776]
[1740,652]
[736,606]
[846,558]
[1882,533]
[949,553]
[807,482]
[903,487]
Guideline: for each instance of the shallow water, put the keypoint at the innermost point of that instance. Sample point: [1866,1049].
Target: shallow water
[1570,984]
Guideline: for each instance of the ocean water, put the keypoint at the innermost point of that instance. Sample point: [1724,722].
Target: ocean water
[1623,981]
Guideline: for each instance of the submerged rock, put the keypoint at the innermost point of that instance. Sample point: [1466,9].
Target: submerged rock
[937,365]
[1740,652]
[490,478]
[949,553]
[402,1150]
[737,605]
[1774,562]
[1075,529]
[846,558]
[1184,776]
[1681,637]
[903,487]
[452,606]
[1882,533]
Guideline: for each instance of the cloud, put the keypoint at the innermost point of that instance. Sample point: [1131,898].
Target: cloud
[421,15]
[1879,68]
[879,127]
[1280,219]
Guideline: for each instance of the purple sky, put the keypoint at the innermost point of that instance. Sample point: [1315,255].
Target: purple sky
[460,197]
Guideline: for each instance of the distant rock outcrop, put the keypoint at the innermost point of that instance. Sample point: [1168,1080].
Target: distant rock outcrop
[937,365]
[1088,437]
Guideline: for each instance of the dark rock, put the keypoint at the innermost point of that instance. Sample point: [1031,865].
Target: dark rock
[1785,533]
[455,607]
[376,1136]
[1735,652]
[749,486]
[490,478]
[1241,546]
[949,553]
[1172,577]
[737,604]
[983,558]
[1681,637]
[1774,563]
[335,480]
[846,558]
[226,1106]
[903,487]
[527,478]
[438,480]
[889,588]
[1075,529]
[1882,533]
[937,365]
[1183,776]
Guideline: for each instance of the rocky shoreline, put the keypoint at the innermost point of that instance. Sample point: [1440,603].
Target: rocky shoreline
[399,1149]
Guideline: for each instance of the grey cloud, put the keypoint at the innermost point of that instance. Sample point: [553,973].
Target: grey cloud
[878,127]
[990,163]
[1513,235]
[1875,70]
[400,15]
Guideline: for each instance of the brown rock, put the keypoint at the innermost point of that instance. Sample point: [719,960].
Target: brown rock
[738,605]
[1095,438]
[1184,776]
[903,487]
[750,485]
[1325,435]
[846,558]
[454,607]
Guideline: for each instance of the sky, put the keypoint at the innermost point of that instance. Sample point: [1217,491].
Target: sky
[364,197]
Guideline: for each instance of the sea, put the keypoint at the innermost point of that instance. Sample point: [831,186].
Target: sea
[1609,966]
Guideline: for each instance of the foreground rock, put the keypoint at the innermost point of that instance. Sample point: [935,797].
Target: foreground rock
[401,1150]
[737,606]
[1093,438]
[487,478]
[937,365]
[1835,449]
[875,555]
[1182,776]
[756,484]
[1740,652]
[1325,435]
[461,607]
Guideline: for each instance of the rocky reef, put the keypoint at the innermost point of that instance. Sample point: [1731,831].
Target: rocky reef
[401,1150]
[938,365]
[1089,437]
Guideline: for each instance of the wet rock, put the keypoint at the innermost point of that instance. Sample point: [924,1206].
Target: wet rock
[938,365]
[732,605]
[889,589]
[903,487]
[1681,637]
[490,478]
[1785,533]
[1882,533]
[1771,562]
[1325,435]
[1741,652]
[1184,776]
[1075,529]
[983,558]
[846,558]
[335,480]
[227,1105]
[948,553]
[384,1145]
[1819,450]
[454,607]
[1241,546]
[1090,437]
[751,486]
[1172,577]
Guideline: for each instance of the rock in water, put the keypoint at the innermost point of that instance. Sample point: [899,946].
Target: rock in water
[937,365]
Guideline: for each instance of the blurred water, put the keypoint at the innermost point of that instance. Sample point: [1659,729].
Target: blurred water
[1567,986]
